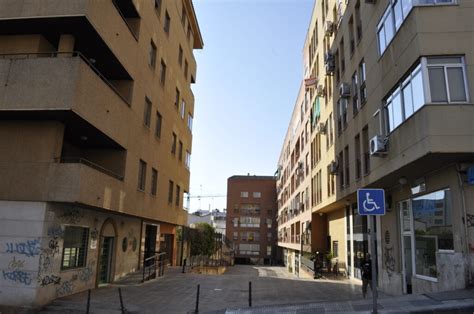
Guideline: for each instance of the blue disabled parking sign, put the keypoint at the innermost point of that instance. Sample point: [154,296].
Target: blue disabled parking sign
[371,201]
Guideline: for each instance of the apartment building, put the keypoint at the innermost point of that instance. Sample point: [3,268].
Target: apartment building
[394,87]
[294,185]
[97,109]
[250,220]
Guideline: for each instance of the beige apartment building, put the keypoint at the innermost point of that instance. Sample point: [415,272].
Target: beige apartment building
[392,108]
[95,140]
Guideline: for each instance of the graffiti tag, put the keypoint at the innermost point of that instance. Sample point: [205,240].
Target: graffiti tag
[18,276]
[56,232]
[29,248]
[86,273]
[48,280]
[67,287]
[71,216]
[389,261]
[16,264]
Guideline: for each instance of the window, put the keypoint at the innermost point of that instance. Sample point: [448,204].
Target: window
[358,22]
[351,36]
[190,122]
[250,222]
[170,191]
[269,222]
[405,100]
[269,237]
[180,56]
[147,112]
[362,87]
[269,250]
[432,221]
[186,69]
[163,72]
[154,181]
[335,249]
[235,222]
[158,124]
[158,6]
[152,57]
[75,247]
[177,98]
[167,23]
[188,159]
[173,144]
[183,109]
[365,147]
[343,56]
[446,77]
[257,194]
[236,235]
[358,162]
[183,15]
[180,151]
[178,195]
[141,175]
[342,115]
[355,94]
[244,194]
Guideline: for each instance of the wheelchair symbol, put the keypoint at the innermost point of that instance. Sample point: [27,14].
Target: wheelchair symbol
[369,204]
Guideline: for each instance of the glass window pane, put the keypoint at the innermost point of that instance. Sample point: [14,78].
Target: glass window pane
[457,92]
[417,89]
[397,9]
[444,60]
[437,84]
[432,220]
[381,35]
[407,101]
[397,110]
[389,27]
[390,117]
[406,7]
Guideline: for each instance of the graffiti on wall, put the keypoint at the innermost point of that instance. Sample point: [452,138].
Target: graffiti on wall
[389,259]
[56,231]
[65,288]
[86,273]
[48,280]
[29,247]
[71,216]
[469,220]
[16,272]
[45,275]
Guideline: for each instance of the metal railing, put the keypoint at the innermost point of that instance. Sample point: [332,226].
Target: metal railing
[154,266]
[70,54]
[79,160]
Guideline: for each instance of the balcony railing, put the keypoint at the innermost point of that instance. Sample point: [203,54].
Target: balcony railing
[79,160]
[72,54]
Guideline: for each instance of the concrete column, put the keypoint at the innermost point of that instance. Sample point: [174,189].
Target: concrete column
[66,44]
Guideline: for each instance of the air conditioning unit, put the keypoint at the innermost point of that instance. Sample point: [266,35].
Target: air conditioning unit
[328,57]
[328,28]
[320,91]
[377,145]
[333,167]
[330,67]
[321,128]
[344,90]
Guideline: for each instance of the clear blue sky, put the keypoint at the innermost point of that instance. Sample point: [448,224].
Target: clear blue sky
[248,77]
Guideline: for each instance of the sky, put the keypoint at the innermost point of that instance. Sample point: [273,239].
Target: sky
[247,81]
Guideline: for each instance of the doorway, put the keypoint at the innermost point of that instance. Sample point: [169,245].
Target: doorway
[106,257]
[406,224]
[150,240]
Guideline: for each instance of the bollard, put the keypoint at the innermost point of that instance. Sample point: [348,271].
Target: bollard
[250,294]
[197,300]
[122,308]
[88,300]
[184,266]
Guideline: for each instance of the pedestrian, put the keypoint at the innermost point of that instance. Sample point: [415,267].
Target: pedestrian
[366,274]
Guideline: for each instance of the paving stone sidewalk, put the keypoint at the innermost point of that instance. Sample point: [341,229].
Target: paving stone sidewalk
[274,290]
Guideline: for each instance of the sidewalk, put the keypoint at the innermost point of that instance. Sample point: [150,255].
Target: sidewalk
[458,301]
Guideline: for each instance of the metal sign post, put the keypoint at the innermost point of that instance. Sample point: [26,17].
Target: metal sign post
[371,202]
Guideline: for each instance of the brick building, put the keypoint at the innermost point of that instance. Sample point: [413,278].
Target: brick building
[251,224]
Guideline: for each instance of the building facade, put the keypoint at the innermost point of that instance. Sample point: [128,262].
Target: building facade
[96,108]
[215,218]
[250,221]
[392,109]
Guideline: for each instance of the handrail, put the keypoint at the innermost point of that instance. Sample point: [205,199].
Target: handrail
[154,263]
[71,54]
[88,163]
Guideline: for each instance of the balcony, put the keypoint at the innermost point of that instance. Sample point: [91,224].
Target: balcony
[61,85]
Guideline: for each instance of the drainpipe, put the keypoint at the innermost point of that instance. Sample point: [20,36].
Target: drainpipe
[466,231]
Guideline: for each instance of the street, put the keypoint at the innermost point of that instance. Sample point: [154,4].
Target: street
[176,292]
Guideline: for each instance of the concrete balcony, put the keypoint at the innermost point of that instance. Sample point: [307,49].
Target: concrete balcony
[80,182]
[46,84]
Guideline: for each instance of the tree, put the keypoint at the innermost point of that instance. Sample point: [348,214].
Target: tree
[202,239]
